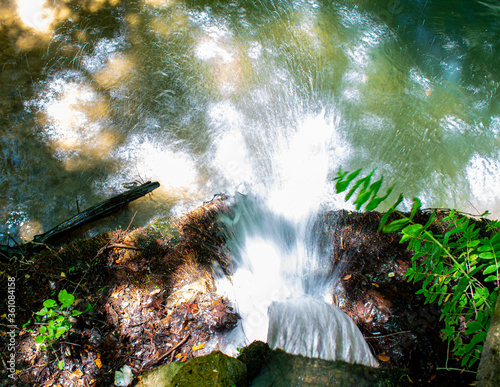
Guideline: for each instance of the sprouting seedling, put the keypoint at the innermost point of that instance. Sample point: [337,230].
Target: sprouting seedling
[56,318]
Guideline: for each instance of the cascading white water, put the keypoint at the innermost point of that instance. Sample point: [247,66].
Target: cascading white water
[280,284]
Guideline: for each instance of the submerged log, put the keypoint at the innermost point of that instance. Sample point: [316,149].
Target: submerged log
[96,212]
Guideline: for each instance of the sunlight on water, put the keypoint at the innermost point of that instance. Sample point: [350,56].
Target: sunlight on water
[484,176]
[300,169]
[74,116]
[35,14]
[174,170]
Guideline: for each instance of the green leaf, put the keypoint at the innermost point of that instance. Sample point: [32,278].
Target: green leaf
[375,187]
[417,204]
[375,202]
[39,339]
[485,247]
[362,199]
[460,288]
[365,181]
[473,243]
[473,327]
[450,233]
[60,331]
[341,184]
[75,313]
[42,330]
[66,298]
[49,303]
[395,225]
[490,269]
[60,364]
[413,230]
[389,212]
[487,255]
[431,219]
[491,278]
[478,338]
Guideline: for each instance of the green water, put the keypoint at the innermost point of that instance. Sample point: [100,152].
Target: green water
[196,95]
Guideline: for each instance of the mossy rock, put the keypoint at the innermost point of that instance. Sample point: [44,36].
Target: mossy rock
[215,369]
[283,370]
[255,356]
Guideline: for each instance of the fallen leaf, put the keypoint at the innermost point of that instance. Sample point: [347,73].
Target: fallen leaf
[383,358]
[347,277]
[191,308]
[184,359]
[178,356]
[198,347]
[374,284]
[97,361]
[76,374]
[63,274]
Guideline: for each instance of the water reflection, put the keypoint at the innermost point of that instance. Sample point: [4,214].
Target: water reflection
[194,94]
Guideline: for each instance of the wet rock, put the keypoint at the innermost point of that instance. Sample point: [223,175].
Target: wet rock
[284,370]
[215,369]
[255,356]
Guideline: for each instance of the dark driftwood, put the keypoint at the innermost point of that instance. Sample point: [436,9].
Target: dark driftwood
[96,212]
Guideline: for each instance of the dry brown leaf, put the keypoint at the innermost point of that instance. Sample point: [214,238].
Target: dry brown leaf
[384,358]
[97,361]
[198,347]
[76,374]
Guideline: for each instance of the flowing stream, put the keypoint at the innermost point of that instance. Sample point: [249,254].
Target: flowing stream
[263,100]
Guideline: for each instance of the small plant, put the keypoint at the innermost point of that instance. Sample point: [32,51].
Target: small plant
[453,266]
[56,319]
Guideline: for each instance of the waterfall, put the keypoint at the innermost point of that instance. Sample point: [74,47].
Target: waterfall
[280,285]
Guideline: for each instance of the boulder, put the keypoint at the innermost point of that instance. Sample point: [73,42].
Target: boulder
[214,370]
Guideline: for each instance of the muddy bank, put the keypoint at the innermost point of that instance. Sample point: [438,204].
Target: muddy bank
[148,299]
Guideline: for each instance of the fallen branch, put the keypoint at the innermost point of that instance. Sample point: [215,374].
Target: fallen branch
[122,246]
[96,212]
[177,346]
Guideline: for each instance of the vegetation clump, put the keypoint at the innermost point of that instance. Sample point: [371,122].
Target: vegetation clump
[457,263]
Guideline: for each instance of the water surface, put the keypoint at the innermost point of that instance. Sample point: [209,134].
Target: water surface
[226,96]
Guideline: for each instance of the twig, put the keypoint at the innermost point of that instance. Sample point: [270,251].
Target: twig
[68,342]
[455,369]
[182,342]
[390,334]
[130,224]
[122,246]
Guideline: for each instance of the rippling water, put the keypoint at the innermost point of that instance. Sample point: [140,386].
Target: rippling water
[196,95]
